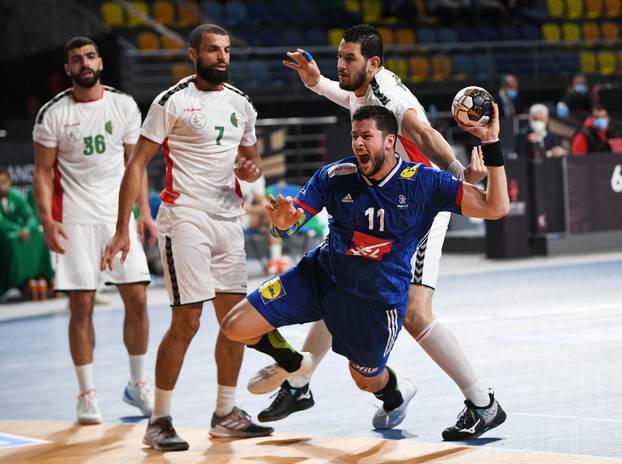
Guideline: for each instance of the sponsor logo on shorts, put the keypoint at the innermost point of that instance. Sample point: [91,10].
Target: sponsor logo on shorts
[342,170]
[409,172]
[363,369]
[368,246]
[271,290]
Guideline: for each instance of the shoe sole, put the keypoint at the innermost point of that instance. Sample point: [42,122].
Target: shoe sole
[500,419]
[89,421]
[132,403]
[300,406]
[266,385]
[180,447]
[221,432]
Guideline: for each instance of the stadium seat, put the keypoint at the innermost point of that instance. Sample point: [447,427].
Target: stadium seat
[591,31]
[316,37]
[292,38]
[587,62]
[112,14]
[235,13]
[550,32]
[613,8]
[555,8]
[170,42]
[398,66]
[404,36]
[568,62]
[189,14]
[619,61]
[547,65]
[574,9]
[510,32]
[282,12]
[606,63]
[258,74]
[259,11]
[132,19]
[524,65]
[593,9]
[530,32]
[463,67]
[213,10]
[483,67]
[467,34]
[441,67]
[571,32]
[334,36]
[353,6]
[163,11]
[426,35]
[268,37]
[610,30]
[147,40]
[181,70]
[247,37]
[447,35]
[387,36]
[504,64]
[419,69]
[490,34]
[372,11]
[328,66]
[306,12]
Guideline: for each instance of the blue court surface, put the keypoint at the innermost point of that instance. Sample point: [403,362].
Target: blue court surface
[546,334]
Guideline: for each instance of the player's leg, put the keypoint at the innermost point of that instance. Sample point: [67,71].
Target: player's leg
[433,336]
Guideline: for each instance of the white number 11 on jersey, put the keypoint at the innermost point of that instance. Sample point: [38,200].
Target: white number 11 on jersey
[370,212]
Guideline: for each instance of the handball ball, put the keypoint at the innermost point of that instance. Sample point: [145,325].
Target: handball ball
[472,106]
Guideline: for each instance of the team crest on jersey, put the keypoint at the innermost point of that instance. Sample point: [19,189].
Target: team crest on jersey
[74,134]
[402,201]
[342,169]
[271,290]
[368,246]
[197,120]
[108,127]
[409,172]
[234,119]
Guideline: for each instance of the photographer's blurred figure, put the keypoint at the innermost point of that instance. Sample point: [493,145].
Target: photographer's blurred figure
[535,140]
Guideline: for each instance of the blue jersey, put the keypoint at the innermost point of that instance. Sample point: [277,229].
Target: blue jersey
[375,228]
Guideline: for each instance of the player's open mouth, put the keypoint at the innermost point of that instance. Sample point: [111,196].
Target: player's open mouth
[86,73]
[363,158]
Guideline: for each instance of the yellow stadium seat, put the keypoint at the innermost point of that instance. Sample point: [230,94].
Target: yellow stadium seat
[591,31]
[571,32]
[550,32]
[398,66]
[619,61]
[171,42]
[587,62]
[148,40]
[334,36]
[419,69]
[189,14]
[555,8]
[181,70]
[387,36]
[372,11]
[606,63]
[613,8]
[441,67]
[593,8]
[404,36]
[132,19]
[353,6]
[574,9]
[610,30]
[164,12]
[112,14]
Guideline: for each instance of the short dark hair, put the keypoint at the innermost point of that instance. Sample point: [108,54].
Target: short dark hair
[385,119]
[78,42]
[369,38]
[197,33]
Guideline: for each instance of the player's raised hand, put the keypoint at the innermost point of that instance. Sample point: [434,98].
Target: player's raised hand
[487,133]
[52,232]
[246,170]
[305,65]
[282,211]
[120,242]
[476,171]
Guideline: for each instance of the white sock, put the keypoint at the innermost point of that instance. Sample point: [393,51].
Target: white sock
[275,250]
[443,347]
[225,400]
[85,377]
[161,404]
[318,342]
[138,368]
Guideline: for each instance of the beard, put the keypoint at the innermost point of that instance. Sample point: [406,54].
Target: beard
[377,163]
[84,82]
[357,81]
[210,74]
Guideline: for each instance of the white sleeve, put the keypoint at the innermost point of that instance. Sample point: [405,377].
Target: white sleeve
[159,121]
[45,131]
[133,123]
[331,90]
[400,101]
[249,138]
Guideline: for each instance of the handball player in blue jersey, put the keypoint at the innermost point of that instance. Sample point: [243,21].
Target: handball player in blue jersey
[357,281]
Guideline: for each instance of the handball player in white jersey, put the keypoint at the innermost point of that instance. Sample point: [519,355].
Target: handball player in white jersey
[364,81]
[206,129]
[82,140]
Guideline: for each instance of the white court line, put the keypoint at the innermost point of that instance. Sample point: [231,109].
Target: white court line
[580,418]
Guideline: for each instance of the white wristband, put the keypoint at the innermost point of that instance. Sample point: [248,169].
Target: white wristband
[456,169]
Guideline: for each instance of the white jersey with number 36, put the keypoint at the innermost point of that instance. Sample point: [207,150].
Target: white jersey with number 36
[90,158]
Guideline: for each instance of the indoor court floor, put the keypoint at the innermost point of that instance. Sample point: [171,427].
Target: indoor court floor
[544,333]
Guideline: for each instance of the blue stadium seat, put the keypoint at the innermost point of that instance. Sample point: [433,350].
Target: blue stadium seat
[467,34]
[238,73]
[568,62]
[283,12]
[328,66]
[292,38]
[483,69]
[259,11]
[530,32]
[489,34]
[447,35]
[258,74]
[316,37]
[305,12]
[524,65]
[504,64]
[426,35]
[213,10]
[268,37]
[463,67]
[235,13]
[510,32]
[248,36]
[547,65]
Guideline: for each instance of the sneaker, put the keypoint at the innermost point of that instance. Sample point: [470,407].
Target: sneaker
[139,395]
[288,400]
[161,436]
[474,421]
[87,408]
[389,419]
[272,377]
[237,424]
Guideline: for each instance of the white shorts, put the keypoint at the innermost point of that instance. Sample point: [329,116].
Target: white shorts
[201,255]
[78,268]
[426,260]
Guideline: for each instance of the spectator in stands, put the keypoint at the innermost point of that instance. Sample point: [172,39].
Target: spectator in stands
[510,105]
[534,140]
[25,259]
[576,102]
[594,135]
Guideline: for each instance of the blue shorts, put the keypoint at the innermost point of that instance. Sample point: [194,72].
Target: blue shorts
[362,332]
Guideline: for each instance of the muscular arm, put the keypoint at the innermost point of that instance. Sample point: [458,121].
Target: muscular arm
[494,203]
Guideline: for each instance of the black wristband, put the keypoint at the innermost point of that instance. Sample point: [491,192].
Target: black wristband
[493,155]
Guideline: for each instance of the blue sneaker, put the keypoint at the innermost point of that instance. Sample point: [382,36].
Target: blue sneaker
[140,396]
[389,419]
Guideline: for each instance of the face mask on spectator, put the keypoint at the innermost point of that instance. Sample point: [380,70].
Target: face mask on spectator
[580,88]
[511,93]
[601,123]
[539,127]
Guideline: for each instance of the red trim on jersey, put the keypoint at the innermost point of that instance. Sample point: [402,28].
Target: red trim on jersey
[168,195]
[57,195]
[238,190]
[413,151]
[459,194]
[306,207]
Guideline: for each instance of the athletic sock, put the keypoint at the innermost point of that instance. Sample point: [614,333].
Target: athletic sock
[390,395]
[225,400]
[138,368]
[443,347]
[85,377]
[273,344]
[162,404]
[318,343]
